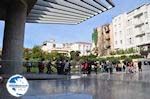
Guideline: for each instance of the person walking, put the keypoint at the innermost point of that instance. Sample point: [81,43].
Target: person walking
[110,67]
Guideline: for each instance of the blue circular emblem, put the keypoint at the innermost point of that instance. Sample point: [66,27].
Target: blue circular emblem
[17,85]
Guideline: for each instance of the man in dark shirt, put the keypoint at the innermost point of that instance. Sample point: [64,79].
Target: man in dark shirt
[140,66]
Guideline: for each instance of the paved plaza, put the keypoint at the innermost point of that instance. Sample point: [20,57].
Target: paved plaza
[102,86]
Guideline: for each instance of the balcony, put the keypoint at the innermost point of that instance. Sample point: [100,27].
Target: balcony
[140,34]
[107,37]
[139,24]
[107,45]
[106,29]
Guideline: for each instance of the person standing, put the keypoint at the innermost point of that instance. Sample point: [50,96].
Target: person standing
[140,66]
[89,67]
[62,67]
[49,64]
[95,67]
[41,66]
[124,67]
[67,67]
[58,65]
[28,66]
[110,67]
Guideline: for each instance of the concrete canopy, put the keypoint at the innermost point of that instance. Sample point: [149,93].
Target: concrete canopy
[4,5]
[67,11]
[16,13]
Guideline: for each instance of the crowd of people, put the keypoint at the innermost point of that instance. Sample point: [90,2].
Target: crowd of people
[128,67]
[109,67]
[64,67]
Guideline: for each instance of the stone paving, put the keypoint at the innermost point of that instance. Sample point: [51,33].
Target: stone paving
[119,85]
[101,86]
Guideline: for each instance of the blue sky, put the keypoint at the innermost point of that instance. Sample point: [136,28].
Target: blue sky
[35,34]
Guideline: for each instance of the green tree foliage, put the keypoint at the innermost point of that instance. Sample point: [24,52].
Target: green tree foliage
[121,51]
[37,53]
[56,56]
[122,57]
[114,60]
[92,57]
[127,59]
[130,50]
[135,56]
[74,55]
[27,54]
[95,36]
[102,60]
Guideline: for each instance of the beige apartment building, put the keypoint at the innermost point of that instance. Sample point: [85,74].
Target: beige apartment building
[105,40]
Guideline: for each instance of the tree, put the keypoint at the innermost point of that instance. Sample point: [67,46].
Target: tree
[112,53]
[122,57]
[92,57]
[37,53]
[131,50]
[127,59]
[95,36]
[56,56]
[27,54]
[75,55]
[114,60]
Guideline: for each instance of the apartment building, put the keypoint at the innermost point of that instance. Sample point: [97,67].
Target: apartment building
[119,31]
[83,47]
[52,46]
[132,29]
[104,40]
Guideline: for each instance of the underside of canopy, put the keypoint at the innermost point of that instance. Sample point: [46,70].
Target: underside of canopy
[67,11]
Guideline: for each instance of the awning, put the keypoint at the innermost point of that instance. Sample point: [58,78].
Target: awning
[67,11]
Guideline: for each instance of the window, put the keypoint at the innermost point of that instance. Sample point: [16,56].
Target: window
[79,46]
[130,40]
[120,33]
[129,31]
[146,26]
[54,45]
[120,41]
[141,39]
[146,15]
[129,22]
[87,47]
[45,44]
[116,42]
[148,36]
